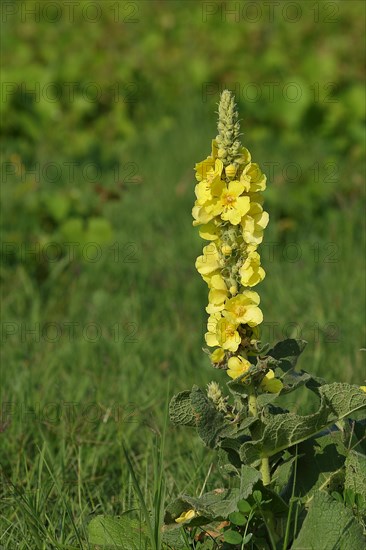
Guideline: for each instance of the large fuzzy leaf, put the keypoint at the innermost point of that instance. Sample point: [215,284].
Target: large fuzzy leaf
[356,474]
[181,410]
[280,431]
[329,525]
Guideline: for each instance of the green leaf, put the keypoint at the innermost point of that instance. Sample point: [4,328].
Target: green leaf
[280,431]
[248,478]
[247,538]
[237,518]
[320,464]
[209,421]
[257,495]
[282,475]
[181,410]
[117,532]
[244,506]
[287,353]
[356,474]
[232,537]
[172,536]
[329,525]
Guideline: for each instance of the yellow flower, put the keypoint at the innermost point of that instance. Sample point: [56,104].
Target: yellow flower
[209,261]
[203,193]
[253,179]
[210,187]
[363,388]
[271,384]
[254,223]
[201,215]
[217,356]
[231,206]
[245,156]
[202,168]
[243,309]
[251,271]
[237,366]
[211,335]
[217,295]
[209,231]
[227,335]
[186,516]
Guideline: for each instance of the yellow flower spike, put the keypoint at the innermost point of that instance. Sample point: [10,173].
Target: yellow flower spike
[237,366]
[228,210]
[270,384]
[363,388]
[251,271]
[243,309]
[186,516]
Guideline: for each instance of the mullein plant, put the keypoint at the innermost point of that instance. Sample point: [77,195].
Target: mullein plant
[271,452]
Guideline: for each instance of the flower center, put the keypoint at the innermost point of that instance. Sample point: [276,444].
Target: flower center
[239,311]
[229,199]
[230,331]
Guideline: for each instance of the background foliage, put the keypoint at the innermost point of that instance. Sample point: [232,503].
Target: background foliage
[104,113]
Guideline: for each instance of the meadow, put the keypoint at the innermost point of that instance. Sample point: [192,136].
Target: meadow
[103,312]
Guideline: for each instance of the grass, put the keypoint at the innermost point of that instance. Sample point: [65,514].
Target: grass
[68,405]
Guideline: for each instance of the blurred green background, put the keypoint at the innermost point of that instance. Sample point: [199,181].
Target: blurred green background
[106,106]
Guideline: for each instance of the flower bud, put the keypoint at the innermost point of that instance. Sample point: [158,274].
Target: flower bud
[230,171]
[226,249]
[233,290]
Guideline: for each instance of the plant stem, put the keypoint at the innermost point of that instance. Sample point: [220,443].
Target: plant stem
[252,402]
[265,471]
[253,411]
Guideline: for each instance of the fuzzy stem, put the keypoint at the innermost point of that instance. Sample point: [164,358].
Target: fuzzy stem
[265,471]
[253,411]
[252,402]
